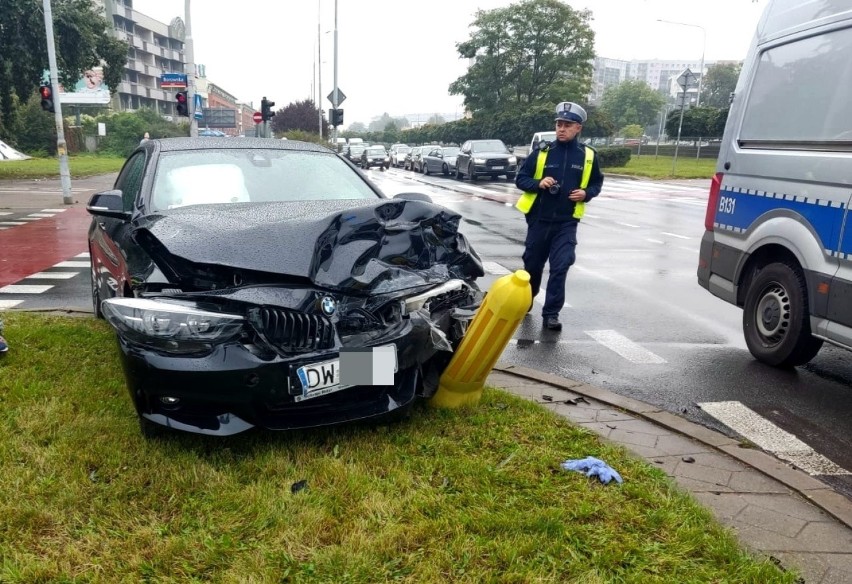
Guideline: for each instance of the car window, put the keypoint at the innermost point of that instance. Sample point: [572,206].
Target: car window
[130,180]
[489,146]
[203,177]
[452,151]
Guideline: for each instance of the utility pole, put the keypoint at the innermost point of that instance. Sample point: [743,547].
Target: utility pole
[61,146]
[335,101]
[319,67]
[190,73]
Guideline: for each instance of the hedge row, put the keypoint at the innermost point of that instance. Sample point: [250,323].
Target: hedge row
[613,157]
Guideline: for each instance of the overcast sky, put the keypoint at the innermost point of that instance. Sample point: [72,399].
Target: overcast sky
[256,48]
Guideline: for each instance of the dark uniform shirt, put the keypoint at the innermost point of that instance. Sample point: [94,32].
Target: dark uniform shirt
[565,162]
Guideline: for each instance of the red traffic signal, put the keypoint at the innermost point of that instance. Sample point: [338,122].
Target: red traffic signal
[46,94]
[181,104]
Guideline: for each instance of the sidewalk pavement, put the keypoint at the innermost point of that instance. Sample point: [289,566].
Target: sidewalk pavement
[774,509]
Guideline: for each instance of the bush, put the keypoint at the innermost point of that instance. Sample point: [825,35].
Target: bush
[613,157]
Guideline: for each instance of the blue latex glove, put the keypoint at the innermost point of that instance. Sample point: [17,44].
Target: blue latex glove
[593,467]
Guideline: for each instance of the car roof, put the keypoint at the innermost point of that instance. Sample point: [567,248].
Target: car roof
[217,143]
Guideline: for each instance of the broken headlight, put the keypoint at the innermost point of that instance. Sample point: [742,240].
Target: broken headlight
[173,328]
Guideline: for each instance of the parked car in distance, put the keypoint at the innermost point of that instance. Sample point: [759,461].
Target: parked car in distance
[226,268]
[374,156]
[409,158]
[417,157]
[485,158]
[441,159]
[353,153]
[398,152]
[522,152]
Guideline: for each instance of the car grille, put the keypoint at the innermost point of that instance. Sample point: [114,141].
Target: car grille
[497,162]
[290,331]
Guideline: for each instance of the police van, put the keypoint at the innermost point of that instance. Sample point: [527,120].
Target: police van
[778,239]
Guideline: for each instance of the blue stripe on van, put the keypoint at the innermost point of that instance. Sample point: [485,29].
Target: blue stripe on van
[739,208]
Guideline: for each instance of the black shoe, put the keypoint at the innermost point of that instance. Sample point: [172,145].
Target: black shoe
[552,323]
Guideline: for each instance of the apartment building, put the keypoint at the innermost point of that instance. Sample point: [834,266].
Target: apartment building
[657,74]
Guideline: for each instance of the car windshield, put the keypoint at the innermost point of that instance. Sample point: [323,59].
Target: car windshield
[451,151]
[403,150]
[548,136]
[204,177]
[376,150]
[489,146]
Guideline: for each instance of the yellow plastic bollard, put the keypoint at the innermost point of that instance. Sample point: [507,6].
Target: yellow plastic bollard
[493,325]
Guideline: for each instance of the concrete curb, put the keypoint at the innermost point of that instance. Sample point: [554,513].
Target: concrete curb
[808,487]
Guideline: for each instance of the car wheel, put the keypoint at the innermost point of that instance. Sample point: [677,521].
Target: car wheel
[776,321]
[510,177]
[96,291]
[445,170]
[459,175]
[426,169]
[471,173]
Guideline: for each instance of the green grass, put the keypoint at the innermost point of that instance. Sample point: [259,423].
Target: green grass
[646,166]
[79,166]
[471,495]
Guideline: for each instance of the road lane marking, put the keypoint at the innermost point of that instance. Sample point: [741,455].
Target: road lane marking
[72,265]
[655,241]
[4,213]
[40,215]
[11,223]
[757,429]
[495,269]
[24,289]
[625,347]
[4,304]
[626,224]
[674,235]
[52,275]
[52,210]
[85,254]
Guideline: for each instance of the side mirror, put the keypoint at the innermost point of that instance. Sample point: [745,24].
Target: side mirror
[108,204]
[413,197]
[511,149]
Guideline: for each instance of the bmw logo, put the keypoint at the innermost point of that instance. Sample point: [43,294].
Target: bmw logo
[328,305]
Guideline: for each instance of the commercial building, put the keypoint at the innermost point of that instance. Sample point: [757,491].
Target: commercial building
[657,74]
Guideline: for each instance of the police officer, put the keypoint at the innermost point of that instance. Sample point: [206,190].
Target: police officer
[558,180]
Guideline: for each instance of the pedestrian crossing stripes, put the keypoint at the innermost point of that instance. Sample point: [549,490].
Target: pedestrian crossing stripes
[23,220]
[760,431]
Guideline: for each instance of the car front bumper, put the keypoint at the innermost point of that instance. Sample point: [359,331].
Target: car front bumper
[233,389]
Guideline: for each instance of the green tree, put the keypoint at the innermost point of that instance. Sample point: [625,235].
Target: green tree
[698,122]
[532,52]
[632,102]
[436,120]
[356,128]
[83,41]
[632,131]
[391,133]
[300,115]
[719,83]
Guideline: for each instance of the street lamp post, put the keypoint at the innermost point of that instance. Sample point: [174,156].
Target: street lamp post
[703,50]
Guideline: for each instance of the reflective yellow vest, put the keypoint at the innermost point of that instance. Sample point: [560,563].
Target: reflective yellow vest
[526,201]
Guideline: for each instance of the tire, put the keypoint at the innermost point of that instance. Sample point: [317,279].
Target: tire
[459,175]
[471,173]
[445,170]
[776,320]
[510,177]
[426,169]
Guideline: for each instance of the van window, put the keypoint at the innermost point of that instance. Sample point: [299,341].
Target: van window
[800,92]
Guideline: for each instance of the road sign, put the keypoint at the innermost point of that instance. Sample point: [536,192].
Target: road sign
[173,80]
[199,111]
[257,117]
[686,78]
[340,97]
[220,117]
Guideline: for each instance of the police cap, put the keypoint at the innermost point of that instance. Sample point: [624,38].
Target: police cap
[570,112]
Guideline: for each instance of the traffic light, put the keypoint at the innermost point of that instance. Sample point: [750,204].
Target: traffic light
[46,93]
[337,117]
[182,104]
[266,112]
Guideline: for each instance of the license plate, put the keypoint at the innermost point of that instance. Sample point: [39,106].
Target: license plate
[497,167]
[324,378]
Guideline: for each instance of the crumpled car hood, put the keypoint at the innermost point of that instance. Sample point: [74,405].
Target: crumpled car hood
[358,246]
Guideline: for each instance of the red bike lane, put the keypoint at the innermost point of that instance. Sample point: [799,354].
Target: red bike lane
[39,245]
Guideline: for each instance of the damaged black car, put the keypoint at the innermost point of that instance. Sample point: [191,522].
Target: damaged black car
[266,283]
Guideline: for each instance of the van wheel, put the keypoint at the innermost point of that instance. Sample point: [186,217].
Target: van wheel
[776,320]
